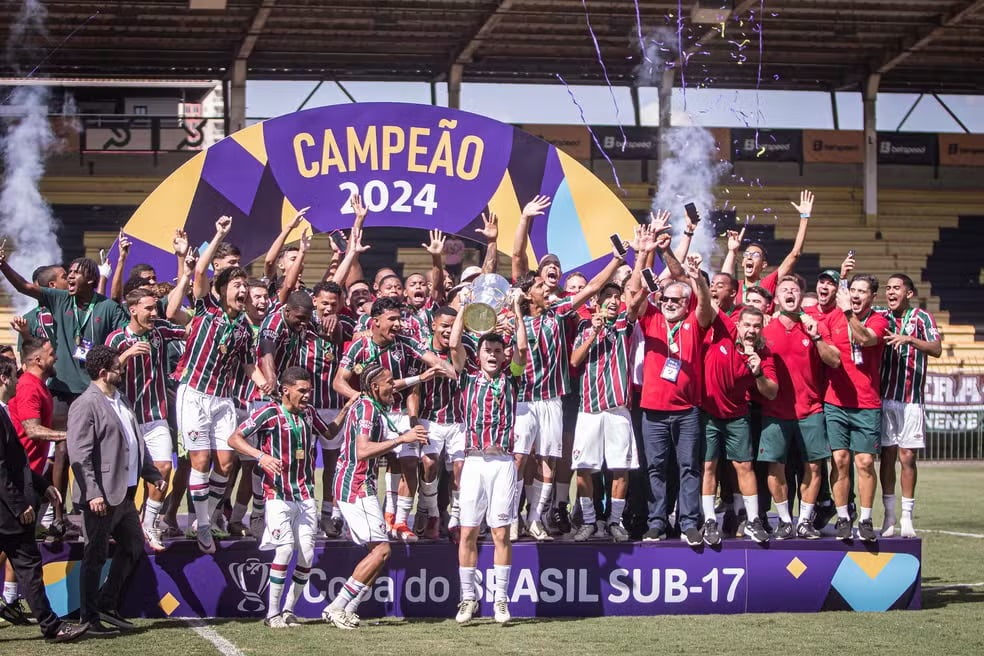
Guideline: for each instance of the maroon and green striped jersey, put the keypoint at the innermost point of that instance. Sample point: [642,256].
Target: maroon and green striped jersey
[144,376]
[286,347]
[489,409]
[242,383]
[401,357]
[903,368]
[605,372]
[440,400]
[425,317]
[291,439]
[321,356]
[215,345]
[412,327]
[548,358]
[356,478]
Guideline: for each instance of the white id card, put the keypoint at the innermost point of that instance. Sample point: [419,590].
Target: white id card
[671,370]
[82,350]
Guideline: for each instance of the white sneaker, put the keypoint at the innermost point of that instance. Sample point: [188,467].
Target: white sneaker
[502,611]
[514,531]
[584,532]
[290,619]
[466,611]
[205,542]
[275,622]
[337,617]
[538,532]
[153,538]
[888,527]
[908,530]
[618,532]
[353,618]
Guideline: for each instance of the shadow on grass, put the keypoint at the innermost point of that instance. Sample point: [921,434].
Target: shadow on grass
[940,595]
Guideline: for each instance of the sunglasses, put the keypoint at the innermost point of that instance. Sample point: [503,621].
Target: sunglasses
[671,299]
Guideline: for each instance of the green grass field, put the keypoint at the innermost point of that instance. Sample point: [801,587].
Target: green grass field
[952,622]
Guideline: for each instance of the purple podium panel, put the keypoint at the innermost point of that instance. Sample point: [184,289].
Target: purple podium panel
[561,579]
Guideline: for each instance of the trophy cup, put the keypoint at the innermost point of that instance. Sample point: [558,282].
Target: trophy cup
[488,294]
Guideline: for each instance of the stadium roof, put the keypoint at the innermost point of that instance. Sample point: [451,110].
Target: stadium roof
[917,45]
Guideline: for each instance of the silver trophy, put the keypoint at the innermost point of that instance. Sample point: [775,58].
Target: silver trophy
[488,294]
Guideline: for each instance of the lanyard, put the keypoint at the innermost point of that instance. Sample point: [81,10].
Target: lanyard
[230,328]
[295,426]
[494,383]
[80,326]
[379,351]
[905,320]
[671,333]
[382,411]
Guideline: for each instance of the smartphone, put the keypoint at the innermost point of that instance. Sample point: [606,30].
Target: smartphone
[692,213]
[851,253]
[651,281]
[338,239]
[617,243]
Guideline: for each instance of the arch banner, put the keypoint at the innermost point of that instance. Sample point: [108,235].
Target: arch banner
[416,166]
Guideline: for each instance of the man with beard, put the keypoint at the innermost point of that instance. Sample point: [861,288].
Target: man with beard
[219,340]
[803,354]
[736,363]
[912,337]
[754,259]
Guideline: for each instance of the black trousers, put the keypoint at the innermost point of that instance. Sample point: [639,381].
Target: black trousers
[23,555]
[122,522]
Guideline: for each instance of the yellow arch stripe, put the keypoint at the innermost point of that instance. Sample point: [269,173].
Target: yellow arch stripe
[505,205]
[168,206]
[251,139]
[601,212]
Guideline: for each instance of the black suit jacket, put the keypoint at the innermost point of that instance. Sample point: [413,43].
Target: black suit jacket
[19,486]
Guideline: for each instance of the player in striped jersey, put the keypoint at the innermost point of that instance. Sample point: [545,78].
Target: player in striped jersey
[365,438]
[285,432]
[489,484]
[404,357]
[219,340]
[320,353]
[423,295]
[603,435]
[539,418]
[912,337]
[142,345]
[391,287]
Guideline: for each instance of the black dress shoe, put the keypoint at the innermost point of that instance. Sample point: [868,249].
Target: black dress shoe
[99,630]
[115,619]
[68,632]
[14,614]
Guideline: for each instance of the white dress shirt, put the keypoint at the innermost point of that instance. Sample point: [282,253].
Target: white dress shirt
[129,423]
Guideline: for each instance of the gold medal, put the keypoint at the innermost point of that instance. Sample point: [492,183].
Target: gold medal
[674,348]
[329,356]
[78,340]
[223,349]
[358,369]
[299,454]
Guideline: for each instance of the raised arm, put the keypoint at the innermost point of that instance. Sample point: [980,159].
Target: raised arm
[735,239]
[116,288]
[705,311]
[683,247]
[490,231]
[520,265]
[522,344]
[17,282]
[636,294]
[805,208]
[580,354]
[179,244]
[350,270]
[436,250]
[293,273]
[343,383]
[201,285]
[270,259]
[175,299]
[458,353]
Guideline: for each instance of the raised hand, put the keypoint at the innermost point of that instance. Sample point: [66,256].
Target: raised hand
[190,260]
[223,226]
[844,300]
[105,268]
[805,206]
[735,239]
[597,320]
[491,228]
[810,324]
[296,221]
[536,206]
[416,434]
[436,245]
[19,324]
[125,244]
[754,363]
[305,245]
[355,242]
[692,266]
[659,221]
[360,210]
[180,242]
[847,266]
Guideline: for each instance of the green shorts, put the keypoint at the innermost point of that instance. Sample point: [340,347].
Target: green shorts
[777,434]
[854,429]
[733,433]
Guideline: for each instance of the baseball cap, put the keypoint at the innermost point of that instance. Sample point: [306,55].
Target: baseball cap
[470,272]
[548,258]
[830,273]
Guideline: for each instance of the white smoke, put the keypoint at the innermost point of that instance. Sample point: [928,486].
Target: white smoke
[26,220]
[690,167]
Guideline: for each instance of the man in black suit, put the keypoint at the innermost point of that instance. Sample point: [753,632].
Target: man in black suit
[20,497]
[108,457]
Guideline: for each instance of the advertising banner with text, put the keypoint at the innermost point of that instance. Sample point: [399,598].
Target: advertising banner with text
[962,149]
[834,146]
[766,145]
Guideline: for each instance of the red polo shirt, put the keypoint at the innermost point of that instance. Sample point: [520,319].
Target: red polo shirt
[657,392]
[727,381]
[858,386]
[768,283]
[32,401]
[799,371]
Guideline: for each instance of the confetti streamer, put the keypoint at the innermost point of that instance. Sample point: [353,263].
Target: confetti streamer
[594,138]
[604,70]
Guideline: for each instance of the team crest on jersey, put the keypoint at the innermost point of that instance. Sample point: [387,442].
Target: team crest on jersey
[806,343]
[724,349]
[686,326]
[155,340]
[397,354]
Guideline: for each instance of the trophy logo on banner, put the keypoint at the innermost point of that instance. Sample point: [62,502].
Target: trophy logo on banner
[252,578]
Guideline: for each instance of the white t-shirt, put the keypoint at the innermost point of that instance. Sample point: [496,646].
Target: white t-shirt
[129,423]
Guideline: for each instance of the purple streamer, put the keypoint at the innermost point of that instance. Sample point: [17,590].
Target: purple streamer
[683,75]
[601,150]
[604,70]
[642,46]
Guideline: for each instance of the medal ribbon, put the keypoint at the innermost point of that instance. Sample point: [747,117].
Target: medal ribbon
[382,411]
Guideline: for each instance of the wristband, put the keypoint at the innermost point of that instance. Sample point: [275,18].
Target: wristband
[804,216]
[689,234]
[848,313]
[411,381]
[816,338]
[760,373]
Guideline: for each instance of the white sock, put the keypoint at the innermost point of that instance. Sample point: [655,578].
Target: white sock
[428,498]
[908,506]
[563,494]
[707,504]
[392,491]
[466,575]
[216,490]
[739,503]
[587,510]
[888,501]
[278,579]
[865,513]
[10,591]
[353,606]
[403,507]
[297,583]
[782,509]
[198,487]
[806,512]
[326,508]
[238,512]
[533,495]
[842,512]
[152,510]
[49,515]
[543,503]
[751,506]
[502,582]
[615,516]
[351,591]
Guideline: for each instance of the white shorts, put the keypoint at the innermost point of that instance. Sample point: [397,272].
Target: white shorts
[328,415]
[364,519]
[540,428]
[157,437]
[488,491]
[903,424]
[402,424]
[446,438]
[289,523]
[205,422]
[604,437]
